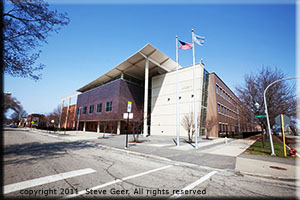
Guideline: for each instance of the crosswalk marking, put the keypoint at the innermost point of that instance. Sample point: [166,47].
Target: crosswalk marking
[191,186]
[44,180]
[117,181]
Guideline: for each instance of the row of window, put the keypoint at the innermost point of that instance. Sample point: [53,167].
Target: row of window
[223,94]
[225,110]
[225,128]
[108,108]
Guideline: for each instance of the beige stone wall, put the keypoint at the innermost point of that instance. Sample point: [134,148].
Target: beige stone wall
[163,102]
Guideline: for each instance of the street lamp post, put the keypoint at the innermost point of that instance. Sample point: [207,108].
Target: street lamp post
[266,110]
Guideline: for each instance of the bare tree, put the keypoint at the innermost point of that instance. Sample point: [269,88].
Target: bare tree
[280,97]
[210,123]
[27,24]
[54,115]
[138,122]
[188,122]
[18,114]
[11,103]
[105,124]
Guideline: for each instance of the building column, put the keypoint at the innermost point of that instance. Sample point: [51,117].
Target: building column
[67,114]
[84,125]
[119,128]
[146,96]
[98,127]
[61,110]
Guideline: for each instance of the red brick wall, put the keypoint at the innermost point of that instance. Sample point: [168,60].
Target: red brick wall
[71,117]
[119,92]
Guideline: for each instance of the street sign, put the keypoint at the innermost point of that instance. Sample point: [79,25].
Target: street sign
[129,106]
[259,116]
[125,115]
[286,120]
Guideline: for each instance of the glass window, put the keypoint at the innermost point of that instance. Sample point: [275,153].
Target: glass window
[84,110]
[218,107]
[91,110]
[217,89]
[99,107]
[108,106]
[221,109]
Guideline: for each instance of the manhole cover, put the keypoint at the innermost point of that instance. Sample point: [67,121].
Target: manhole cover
[279,168]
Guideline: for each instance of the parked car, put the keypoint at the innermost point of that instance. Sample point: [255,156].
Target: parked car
[13,126]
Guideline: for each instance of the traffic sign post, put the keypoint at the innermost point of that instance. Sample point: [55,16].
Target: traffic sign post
[283,137]
[128,116]
[282,120]
[286,120]
[129,106]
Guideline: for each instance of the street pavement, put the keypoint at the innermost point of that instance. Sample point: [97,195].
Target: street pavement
[74,164]
[217,153]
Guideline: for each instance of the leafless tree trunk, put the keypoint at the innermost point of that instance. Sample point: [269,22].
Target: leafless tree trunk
[280,97]
[187,123]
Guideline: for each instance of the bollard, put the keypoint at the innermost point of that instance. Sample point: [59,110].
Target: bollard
[225,140]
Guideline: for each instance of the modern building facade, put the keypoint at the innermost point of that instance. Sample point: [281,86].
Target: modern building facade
[129,81]
[163,102]
[148,79]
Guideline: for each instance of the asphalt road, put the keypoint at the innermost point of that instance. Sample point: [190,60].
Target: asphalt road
[41,166]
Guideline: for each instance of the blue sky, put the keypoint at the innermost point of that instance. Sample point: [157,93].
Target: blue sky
[239,39]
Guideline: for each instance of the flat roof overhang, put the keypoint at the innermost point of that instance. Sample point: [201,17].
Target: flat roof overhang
[134,66]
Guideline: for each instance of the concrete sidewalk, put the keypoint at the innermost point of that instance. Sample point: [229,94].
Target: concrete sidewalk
[273,167]
[214,153]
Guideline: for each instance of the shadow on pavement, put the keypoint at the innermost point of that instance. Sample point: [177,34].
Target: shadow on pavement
[6,129]
[35,151]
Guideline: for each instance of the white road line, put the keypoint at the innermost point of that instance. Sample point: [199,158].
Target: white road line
[191,186]
[117,181]
[44,180]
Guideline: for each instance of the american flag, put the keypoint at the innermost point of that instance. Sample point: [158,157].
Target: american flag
[185,45]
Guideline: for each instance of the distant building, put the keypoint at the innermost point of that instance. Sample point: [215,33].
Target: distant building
[35,121]
[23,122]
[148,80]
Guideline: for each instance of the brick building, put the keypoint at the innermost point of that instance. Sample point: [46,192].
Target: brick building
[225,113]
[102,108]
[35,121]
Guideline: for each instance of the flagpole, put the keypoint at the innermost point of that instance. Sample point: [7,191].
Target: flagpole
[177,106]
[195,96]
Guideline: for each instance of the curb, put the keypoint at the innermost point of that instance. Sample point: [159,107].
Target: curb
[269,176]
[164,159]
